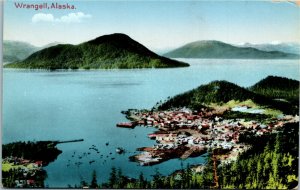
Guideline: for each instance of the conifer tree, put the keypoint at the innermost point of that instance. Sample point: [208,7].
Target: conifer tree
[113,178]
[94,180]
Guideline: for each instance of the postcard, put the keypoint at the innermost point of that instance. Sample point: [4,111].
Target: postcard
[150,94]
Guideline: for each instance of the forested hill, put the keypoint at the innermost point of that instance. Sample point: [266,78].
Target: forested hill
[109,51]
[278,88]
[221,50]
[221,92]
[214,92]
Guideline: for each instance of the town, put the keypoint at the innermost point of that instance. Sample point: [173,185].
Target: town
[184,133]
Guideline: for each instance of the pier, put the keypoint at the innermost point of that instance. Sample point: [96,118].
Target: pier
[70,141]
[187,153]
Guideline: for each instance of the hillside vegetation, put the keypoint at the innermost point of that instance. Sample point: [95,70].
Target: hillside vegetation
[278,88]
[221,92]
[271,163]
[109,51]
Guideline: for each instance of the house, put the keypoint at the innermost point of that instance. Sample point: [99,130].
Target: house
[39,163]
[260,132]
[30,182]
[25,161]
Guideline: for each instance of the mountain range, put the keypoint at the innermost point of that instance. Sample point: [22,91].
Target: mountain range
[17,51]
[221,50]
[291,47]
[120,51]
[108,51]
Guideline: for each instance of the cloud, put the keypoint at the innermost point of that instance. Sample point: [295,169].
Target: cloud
[41,17]
[69,18]
[73,17]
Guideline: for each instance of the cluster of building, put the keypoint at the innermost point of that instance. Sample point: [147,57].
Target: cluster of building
[25,171]
[198,131]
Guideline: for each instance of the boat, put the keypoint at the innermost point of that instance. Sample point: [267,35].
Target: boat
[120,150]
[126,125]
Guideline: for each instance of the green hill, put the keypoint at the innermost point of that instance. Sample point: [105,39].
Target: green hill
[214,92]
[278,88]
[220,92]
[217,49]
[109,51]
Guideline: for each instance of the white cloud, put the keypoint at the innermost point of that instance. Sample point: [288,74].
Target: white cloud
[41,17]
[69,18]
[73,17]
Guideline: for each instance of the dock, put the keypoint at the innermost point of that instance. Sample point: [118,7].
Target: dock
[70,141]
[187,153]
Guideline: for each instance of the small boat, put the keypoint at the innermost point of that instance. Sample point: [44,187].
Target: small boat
[92,161]
[120,150]
[126,125]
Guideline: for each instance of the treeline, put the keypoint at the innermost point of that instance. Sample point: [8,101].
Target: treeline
[182,179]
[45,151]
[278,87]
[271,164]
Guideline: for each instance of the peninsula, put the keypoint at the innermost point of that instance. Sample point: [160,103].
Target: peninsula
[222,119]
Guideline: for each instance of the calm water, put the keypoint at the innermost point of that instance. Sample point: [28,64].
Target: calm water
[40,105]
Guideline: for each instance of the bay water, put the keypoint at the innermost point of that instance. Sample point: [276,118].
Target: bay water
[66,105]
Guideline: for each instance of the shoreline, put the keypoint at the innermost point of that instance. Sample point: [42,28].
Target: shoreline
[183,133]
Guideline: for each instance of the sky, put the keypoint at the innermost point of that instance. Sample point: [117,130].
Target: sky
[156,24]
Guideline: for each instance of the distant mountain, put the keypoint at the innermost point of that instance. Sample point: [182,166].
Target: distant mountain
[278,88]
[17,51]
[293,48]
[220,50]
[109,51]
[220,92]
